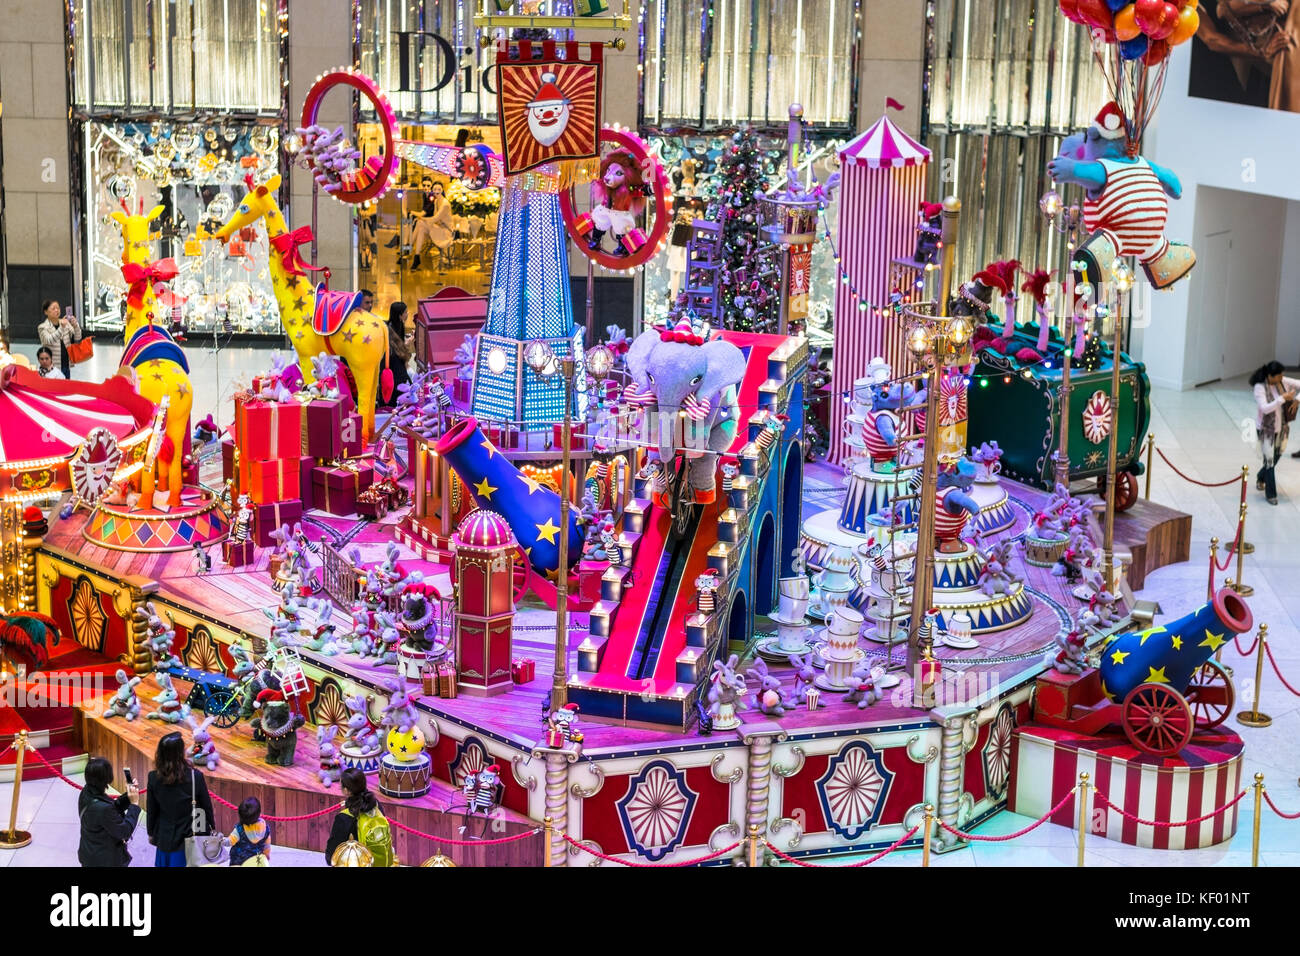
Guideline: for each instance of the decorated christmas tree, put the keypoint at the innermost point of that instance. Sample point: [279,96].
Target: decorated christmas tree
[747,277]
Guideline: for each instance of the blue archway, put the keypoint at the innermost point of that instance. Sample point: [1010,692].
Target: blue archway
[765,563]
[737,623]
[791,506]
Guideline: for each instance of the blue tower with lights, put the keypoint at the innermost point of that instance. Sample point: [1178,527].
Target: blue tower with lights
[530,301]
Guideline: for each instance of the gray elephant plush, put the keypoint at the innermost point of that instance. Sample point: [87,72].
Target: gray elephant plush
[693,380]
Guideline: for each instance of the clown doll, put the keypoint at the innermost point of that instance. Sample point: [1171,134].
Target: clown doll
[617,199]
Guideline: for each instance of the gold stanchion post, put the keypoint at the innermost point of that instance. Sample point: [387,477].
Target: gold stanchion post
[1214,556]
[1253,717]
[1246,546]
[753,844]
[14,838]
[548,826]
[1083,811]
[1254,830]
[925,841]
[1245,590]
[1151,450]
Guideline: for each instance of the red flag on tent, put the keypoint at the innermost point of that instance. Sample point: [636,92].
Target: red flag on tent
[891,103]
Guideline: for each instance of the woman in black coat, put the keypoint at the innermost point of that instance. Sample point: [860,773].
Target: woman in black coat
[106,822]
[173,785]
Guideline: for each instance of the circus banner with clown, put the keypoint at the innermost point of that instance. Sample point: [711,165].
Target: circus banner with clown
[549,103]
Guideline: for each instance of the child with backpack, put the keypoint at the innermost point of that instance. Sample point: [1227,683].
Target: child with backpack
[360,819]
[250,841]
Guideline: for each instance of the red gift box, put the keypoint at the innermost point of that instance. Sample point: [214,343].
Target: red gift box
[447,681]
[268,517]
[335,488]
[274,480]
[268,430]
[523,670]
[260,382]
[460,389]
[322,428]
[352,431]
[238,554]
[575,429]
[555,739]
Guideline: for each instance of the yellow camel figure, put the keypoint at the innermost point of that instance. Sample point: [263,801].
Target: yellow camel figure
[156,376]
[361,341]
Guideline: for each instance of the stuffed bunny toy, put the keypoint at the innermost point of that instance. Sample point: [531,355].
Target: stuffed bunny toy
[330,767]
[124,702]
[170,709]
[728,687]
[203,752]
[863,690]
[767,695]
[803,678]
[361,733]
[400,712]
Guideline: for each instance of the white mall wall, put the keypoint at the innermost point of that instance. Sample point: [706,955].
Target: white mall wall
[1247,156]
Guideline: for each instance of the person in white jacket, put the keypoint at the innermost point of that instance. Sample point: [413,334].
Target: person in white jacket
[1275,396]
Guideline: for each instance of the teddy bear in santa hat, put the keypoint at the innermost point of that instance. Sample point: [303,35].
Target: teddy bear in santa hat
[279,724]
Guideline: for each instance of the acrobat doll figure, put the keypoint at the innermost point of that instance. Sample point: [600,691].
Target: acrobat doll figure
[202,560]
[1126,203]
[617,199]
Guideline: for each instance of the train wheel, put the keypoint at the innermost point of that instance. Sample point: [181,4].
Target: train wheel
[1157,719]
[1210,695]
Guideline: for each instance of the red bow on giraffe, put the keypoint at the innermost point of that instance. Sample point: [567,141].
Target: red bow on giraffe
[140,278]
[287,245]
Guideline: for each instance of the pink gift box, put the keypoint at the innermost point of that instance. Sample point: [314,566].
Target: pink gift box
[353,445]
[267,518]
[322,428]
[460,389]
[335,489]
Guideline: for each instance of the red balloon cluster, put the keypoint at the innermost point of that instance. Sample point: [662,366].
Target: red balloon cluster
[1145,29]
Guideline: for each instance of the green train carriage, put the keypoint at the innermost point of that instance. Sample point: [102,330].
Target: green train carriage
[1019,406]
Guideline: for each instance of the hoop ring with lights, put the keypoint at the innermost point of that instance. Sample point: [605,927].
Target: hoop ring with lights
[382,172]
[655,234]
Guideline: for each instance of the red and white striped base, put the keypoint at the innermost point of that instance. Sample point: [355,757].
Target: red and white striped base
[1046,763]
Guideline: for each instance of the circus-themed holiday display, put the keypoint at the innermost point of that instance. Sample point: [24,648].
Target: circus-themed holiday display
[591,587]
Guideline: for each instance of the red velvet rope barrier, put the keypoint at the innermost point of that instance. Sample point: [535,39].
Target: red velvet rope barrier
[846,866]
[1269,651]
[1186,477]
[1236,639]
[1019,833]
[651,866]
[1273,806]
[1166,826]
[266,816]
[436,839]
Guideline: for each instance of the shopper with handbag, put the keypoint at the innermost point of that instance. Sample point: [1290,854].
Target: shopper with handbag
[106,822]
[58,331]
[178,809]
[1275,396]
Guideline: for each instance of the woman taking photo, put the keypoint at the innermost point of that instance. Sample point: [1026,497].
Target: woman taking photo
[177,805]
[106,822]
[399,352]
[1275,396]
[56,333]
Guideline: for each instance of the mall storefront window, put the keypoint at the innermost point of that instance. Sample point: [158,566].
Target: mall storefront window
[427,232]
[699,59]
[211,76]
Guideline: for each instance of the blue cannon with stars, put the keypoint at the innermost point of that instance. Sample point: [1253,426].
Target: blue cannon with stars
[1162,684]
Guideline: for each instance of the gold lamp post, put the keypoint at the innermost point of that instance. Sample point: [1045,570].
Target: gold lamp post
[936,340]
[1123,276]
[599,361]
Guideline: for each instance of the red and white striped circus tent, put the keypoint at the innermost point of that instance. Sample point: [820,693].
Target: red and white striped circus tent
[881,187]
[44,423]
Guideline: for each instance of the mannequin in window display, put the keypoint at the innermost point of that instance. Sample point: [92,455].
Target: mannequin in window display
[434,224]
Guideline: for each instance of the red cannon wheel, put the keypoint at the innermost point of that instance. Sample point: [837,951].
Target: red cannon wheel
[1211,695]
[1157,719]
[1127,489]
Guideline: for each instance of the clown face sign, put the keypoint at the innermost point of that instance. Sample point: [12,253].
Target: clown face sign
[549,106]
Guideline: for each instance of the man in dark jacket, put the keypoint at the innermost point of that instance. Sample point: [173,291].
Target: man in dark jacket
[106,822]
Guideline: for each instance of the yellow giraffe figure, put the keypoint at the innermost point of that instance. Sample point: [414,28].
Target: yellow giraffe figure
[361,340]
[159,364]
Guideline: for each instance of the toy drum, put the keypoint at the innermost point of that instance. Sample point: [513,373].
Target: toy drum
[1043,552]
[411,662]
[405,779]
[367,761]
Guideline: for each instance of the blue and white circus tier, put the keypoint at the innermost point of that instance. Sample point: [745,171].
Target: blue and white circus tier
[996,511]
[864,514]
[956,588]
